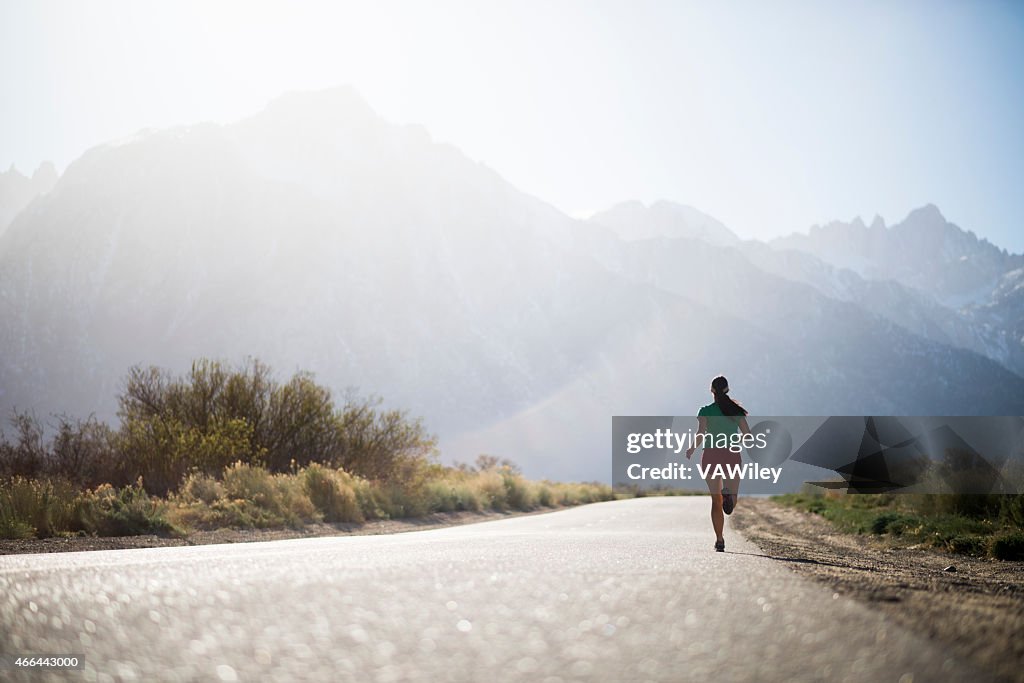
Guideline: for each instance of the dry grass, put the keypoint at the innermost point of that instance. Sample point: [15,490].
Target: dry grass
[968,524]
[31,508]
[250,497]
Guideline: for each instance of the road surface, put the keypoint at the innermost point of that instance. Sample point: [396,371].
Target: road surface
[625,590]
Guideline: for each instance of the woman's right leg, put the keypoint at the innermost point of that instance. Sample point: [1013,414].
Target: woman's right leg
[717,513]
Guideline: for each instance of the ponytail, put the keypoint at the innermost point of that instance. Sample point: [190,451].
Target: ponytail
[729,407]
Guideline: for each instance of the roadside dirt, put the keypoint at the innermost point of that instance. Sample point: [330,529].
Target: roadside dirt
[394,526]
[976,611]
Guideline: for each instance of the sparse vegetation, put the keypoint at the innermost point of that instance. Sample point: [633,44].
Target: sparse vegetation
[42,508]
[215,416]
[224,447]
[252,497]
[969,524]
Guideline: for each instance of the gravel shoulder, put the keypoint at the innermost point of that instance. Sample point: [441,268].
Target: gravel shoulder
[394,526]
[977,611]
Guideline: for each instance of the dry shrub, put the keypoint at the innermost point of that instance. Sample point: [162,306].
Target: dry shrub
[332,493]
[246,497]
[35,508]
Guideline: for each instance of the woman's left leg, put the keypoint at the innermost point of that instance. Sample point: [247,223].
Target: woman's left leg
[717,513]
[730,489]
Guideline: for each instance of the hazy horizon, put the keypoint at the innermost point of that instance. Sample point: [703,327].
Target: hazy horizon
[771,120]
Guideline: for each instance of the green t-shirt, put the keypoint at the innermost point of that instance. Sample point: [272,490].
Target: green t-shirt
[719,423]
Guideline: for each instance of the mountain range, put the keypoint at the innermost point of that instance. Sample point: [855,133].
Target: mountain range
[315,235]
[17,190]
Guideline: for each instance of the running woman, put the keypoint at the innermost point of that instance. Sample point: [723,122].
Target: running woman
[722,416]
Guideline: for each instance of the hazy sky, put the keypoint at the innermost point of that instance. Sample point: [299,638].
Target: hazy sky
[770,116]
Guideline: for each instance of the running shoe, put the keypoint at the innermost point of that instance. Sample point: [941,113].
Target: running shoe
[728,500]
[720,546]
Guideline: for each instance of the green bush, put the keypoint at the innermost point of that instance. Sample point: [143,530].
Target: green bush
[332,494]
[246,497]
[202,488]
[261,499]
[1012,509]
[817,506]
[452,492]
[974,505]
[545,498]
[491,488]
[404,500]
[372,501]
[960,523]
[42,508]
[439,496]
[1007,546]
[163,450]
[966,545]
[216,415]
[223,447]
[581,494]
[35,508]
[893,523]
[465,498]
[12,527]
[252,497]
[128,511]
[519,493]
[20,506]
[253,484]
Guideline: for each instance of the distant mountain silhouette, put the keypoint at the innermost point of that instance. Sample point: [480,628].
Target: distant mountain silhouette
[16,190]
[924,251]
[925,274]
[315,235]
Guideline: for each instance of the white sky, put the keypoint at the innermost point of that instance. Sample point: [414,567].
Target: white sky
[769,116]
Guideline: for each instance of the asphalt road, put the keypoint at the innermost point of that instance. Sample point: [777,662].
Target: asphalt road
[627,590]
